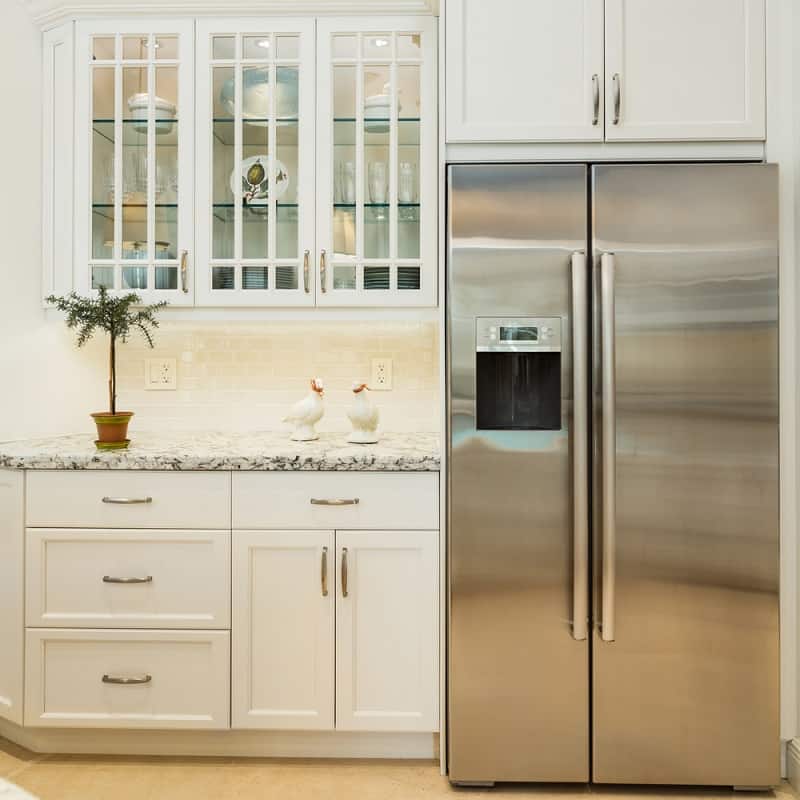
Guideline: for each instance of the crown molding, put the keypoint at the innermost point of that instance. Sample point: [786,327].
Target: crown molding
[48,13]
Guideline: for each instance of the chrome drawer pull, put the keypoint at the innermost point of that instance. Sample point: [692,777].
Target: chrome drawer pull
[127,501]
[122,681]
[336,501]
[110,579]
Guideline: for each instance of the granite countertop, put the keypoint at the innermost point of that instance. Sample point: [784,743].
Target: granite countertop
[395,452]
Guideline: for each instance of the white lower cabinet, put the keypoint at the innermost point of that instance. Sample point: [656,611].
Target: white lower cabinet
[382,587]
[283,630]
[127,679]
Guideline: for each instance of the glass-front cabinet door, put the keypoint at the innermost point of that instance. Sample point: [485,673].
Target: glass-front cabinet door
[133,176]
[376,161]
[255,162]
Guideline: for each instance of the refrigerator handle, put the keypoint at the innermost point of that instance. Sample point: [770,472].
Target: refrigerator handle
[609,446]
[580,450]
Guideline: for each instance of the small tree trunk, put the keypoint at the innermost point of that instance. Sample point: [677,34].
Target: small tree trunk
[112,376]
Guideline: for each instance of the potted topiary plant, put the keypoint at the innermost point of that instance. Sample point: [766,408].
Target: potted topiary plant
[116,316]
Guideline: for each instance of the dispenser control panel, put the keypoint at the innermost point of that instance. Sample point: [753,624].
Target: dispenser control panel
[518,334]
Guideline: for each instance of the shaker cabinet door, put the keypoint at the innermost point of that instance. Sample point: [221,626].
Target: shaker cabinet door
[387,630]
[282,630]
[529,71]
[679,69]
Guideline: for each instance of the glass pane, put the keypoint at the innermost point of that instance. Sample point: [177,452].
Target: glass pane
[223,47]
[285,277]
[376,232]
[103,48]
[287,97]
[376,162]
[135,96]
[103,232]
[377,100]
[134,278]
[166,246]
[257,46]
[102,276]
[223,225]
[223,277]
[135,48]
[166,278]
[166,103]
[344,92]
[288,46]
[408,215]
[408,277]
[103,190]
[408,232]
[103,94]
[408,91]
[286,166]
[255,93]
[223,92]
[409,45]
[376,278]
[255,277]
[377,45]
[167,47]
[134,191]
[345,47]
[344,160]
[344,276]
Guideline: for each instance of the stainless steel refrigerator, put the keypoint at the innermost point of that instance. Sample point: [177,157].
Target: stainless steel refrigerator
[612,350]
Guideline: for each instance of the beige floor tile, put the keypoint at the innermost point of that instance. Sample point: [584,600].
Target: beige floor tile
[13,759]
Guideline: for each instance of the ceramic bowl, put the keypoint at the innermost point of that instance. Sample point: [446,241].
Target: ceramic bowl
[255,95]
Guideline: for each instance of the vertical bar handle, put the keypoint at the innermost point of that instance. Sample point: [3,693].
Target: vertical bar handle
[306,283]
[184,272]
[344,572]
[617,97]
[323,272]
[608,437]
[324,572]
[580,450]
[595,99]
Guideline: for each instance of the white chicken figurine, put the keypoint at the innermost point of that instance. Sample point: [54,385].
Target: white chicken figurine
[363,416]
[306,413]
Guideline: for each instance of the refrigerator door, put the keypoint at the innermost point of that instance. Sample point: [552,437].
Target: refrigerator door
[685,658]
[518,688]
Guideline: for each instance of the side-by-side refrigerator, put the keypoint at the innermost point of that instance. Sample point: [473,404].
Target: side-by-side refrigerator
[612,346]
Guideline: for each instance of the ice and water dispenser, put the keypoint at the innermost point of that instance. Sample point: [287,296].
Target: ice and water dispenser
[518,373]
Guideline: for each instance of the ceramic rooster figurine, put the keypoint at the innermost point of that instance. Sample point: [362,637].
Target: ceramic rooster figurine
[363,416]
[306,413]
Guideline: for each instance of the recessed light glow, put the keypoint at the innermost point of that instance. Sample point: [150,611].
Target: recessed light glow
[380,42]
[263,43]
[156,44]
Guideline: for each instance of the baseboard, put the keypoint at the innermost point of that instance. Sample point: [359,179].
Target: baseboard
[793,763]
[246,744]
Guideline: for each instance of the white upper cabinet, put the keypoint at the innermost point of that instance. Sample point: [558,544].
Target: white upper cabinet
[529,71]
[681,69]
[133,169]
[605,70]
[376,162]
[255,130]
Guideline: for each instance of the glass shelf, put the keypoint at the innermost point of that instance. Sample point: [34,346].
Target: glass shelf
[374,205]
[376,119]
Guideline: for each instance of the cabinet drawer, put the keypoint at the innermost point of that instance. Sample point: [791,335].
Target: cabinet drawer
[128,579]
[128,499]
[175,679]
[328,500]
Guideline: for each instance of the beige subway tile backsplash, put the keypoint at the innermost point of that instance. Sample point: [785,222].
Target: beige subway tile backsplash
[245,376]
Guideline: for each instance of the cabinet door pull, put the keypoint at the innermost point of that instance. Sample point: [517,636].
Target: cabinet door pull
[323,272]
[184,272]
[112,579]
[127,501]
[306,282]
[122,680]
[617,97]
[335,501]
[324,572]
[344,572]
[595,99]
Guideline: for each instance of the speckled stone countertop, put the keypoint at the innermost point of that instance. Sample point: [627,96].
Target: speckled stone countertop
[395,452]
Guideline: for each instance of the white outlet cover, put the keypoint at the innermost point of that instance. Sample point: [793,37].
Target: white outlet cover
[161,374]
[381,378]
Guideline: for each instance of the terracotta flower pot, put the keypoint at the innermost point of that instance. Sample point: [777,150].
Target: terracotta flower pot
[112,430]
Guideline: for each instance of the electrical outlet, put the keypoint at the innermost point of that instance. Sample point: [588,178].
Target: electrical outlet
[381,375]
[161,374]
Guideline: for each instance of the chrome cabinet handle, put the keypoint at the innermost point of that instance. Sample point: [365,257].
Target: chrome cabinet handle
[122,680]
[111,579]
[608,436]
[127,501]
[344,572]
[306,282]
[595,99]
[617,97]
[323,272]
[335,501]
[324,572]
[184,272]
[580,451]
